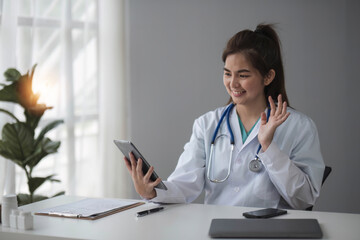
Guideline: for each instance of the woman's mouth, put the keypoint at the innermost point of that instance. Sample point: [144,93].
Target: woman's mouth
[238,93]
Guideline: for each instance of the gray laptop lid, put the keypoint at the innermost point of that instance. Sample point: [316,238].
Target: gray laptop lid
[265,228]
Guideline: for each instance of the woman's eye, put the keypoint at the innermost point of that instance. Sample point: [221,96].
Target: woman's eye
[227,74]
[244,76]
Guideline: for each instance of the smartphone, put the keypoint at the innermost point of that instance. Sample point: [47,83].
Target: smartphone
[264,213]
[126,147]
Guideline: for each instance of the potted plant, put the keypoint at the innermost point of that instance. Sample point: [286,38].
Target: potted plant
[20,141]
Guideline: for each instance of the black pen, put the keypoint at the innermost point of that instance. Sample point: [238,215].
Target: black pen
[146,212]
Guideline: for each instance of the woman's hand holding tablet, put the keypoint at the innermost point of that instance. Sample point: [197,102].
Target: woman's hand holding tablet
[144,177]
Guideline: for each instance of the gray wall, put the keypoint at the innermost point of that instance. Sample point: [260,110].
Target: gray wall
[175,73]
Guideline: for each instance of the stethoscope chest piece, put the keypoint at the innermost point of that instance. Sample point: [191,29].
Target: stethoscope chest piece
[255,165]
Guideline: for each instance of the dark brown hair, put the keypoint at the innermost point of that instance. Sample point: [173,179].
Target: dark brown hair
[262,48]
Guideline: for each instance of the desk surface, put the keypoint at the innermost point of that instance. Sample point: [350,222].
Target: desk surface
[177,221]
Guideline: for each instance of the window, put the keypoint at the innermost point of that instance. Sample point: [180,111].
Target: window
[61,36]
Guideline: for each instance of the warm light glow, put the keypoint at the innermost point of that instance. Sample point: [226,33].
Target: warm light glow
[47,86]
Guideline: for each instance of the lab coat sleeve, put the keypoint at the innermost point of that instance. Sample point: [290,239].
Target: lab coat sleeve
[186,183]
[297,176]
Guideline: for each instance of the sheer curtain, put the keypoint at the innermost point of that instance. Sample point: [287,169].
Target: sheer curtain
[62,37]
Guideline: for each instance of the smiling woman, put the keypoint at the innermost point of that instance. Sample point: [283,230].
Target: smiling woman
[235,147]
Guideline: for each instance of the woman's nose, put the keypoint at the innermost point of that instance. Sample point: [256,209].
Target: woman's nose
[234,83]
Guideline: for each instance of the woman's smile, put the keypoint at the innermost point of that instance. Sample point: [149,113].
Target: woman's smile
[238,93]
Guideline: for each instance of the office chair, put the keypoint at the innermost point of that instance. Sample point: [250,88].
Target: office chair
[327,171]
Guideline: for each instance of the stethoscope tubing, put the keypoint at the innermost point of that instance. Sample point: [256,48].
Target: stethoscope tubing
[227,114]
[232,142]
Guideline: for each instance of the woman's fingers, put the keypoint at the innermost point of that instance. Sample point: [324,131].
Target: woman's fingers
[284,108]
[127,164]
[133,164]
[279,109]
[272,106]
[139,168]
[278,112]
[279,105]
[148,174]
[143,185]
[286,116]
[155,183]
[263,118]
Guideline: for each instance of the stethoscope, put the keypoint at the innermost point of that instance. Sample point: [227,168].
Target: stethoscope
[255,165]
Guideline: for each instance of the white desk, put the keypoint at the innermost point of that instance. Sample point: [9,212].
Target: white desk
[178,221]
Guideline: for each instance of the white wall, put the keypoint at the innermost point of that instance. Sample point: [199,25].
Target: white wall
[175,74]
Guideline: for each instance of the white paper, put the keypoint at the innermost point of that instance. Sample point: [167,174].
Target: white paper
[87,207]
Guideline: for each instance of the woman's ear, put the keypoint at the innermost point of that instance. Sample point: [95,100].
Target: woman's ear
[269,77]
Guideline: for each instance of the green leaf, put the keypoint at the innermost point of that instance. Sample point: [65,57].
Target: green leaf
[10,114]
[23,199]
[46,129]
[59,194]
[8,93]
[51,146]
[19,140]
[4,151]
[36,182]
[12,75]
[37,198]
[44,148]
[36,156]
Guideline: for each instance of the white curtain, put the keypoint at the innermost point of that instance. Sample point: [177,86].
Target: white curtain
[113,97]
[79,47]
[7,59]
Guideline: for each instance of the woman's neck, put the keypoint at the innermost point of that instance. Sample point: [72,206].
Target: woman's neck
[250,114]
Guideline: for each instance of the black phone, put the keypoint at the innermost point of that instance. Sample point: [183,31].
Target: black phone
[264,213]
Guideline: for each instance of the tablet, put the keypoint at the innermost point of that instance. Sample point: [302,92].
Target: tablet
[126,147]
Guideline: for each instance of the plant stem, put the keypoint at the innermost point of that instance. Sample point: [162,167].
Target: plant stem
[28,176]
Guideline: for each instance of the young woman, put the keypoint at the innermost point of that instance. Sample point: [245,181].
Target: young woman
[256,151]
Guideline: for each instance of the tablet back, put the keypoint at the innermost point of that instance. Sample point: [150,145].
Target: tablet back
[265,228]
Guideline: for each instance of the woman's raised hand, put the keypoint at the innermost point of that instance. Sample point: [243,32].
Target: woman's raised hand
[278,115]
[143,185]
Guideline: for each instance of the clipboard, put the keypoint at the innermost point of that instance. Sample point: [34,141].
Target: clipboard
[90,208]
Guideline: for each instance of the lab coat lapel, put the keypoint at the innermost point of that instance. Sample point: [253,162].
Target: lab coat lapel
[253,134]
[237,133]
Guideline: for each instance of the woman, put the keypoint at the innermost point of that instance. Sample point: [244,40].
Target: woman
[285,141]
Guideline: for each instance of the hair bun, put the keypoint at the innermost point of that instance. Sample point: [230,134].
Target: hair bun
[264,30]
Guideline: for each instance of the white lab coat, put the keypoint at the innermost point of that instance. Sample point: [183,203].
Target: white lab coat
[291,176]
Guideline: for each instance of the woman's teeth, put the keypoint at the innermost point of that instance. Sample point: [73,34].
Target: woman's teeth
[237,93]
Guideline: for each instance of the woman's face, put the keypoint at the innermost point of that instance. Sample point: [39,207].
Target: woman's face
[243,82]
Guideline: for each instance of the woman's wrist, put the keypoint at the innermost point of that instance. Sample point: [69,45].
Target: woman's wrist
[151,195]
[265,146]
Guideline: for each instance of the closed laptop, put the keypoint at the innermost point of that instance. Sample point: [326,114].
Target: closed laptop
[265,228]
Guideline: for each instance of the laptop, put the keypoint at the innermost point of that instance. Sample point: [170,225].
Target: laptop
[265,228]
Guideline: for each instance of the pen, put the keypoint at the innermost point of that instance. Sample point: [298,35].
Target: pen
[146,212]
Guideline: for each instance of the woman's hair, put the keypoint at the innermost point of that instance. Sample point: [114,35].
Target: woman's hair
[262,48]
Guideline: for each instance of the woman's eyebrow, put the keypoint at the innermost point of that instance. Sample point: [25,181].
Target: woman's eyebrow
[239,71]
